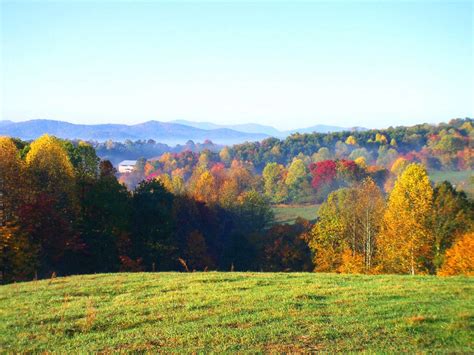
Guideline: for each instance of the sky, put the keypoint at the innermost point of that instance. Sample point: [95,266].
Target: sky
[288,64]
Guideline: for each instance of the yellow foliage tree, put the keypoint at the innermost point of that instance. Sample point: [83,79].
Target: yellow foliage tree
[178,185]
[360,161]
[225,155]
[11,178]
[350,219]
[166,181]
[404,245]
[351,140]
[205,188]
[49,167]
[459,259]
[228,193]
[382,139]
[16,252]
[399,166]
[369,206]
[328,238]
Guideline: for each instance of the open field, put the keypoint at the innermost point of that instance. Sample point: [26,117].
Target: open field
[289,213]
[238,312]
[461,179]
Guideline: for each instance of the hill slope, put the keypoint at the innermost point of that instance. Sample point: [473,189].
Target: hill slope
[238,312]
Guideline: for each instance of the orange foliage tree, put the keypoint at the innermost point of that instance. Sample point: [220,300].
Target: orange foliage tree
[459,258]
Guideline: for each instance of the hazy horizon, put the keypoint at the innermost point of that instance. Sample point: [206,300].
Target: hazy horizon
[228,124]
[287,65]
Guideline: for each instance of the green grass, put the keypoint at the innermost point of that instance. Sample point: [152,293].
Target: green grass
[461,179]
[176,312]
[289,213]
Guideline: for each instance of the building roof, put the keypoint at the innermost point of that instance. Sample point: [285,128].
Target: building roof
[128,162]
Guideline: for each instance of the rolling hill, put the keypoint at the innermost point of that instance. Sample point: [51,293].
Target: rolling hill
[268,130]
[165,132]
[173,132]
[244,127]
[238,312]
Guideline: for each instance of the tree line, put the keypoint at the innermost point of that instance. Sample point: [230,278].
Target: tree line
[64,211]
[417,229]
[306,168]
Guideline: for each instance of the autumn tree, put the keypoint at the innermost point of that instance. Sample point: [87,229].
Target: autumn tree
[344,238]
[273,182]
[11,180]
[351,140]
[459,258]
[322,154]
[165,179]
[328,237]
[15,248]
[404,245]
[360,153]
[399,166]
[297,181]
[386,156]
[225,156]
[452,215]
[323,172]
[205,188]
[54,239]
[283,247]
[361,162]
[49,168]
[243,175]
[381,138]
[369,208]
[49,218]
[179,187]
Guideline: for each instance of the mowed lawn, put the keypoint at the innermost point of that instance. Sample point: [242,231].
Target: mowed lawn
[238,312]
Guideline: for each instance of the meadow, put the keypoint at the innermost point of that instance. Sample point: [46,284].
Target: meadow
[279,312]
[461,179]
[289,213]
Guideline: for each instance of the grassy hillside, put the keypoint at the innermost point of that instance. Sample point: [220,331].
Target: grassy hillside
[289,213]
[460,179]
[238,312]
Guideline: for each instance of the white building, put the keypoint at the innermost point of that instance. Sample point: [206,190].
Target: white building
[127,166]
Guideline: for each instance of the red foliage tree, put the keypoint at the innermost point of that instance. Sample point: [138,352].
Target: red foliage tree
[323,172]
[348,170]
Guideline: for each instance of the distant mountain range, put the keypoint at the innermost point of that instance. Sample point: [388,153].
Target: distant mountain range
[175,132]
[268,130]
[244,127]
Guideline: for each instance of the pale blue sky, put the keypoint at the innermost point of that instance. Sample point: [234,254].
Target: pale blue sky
[287,64]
